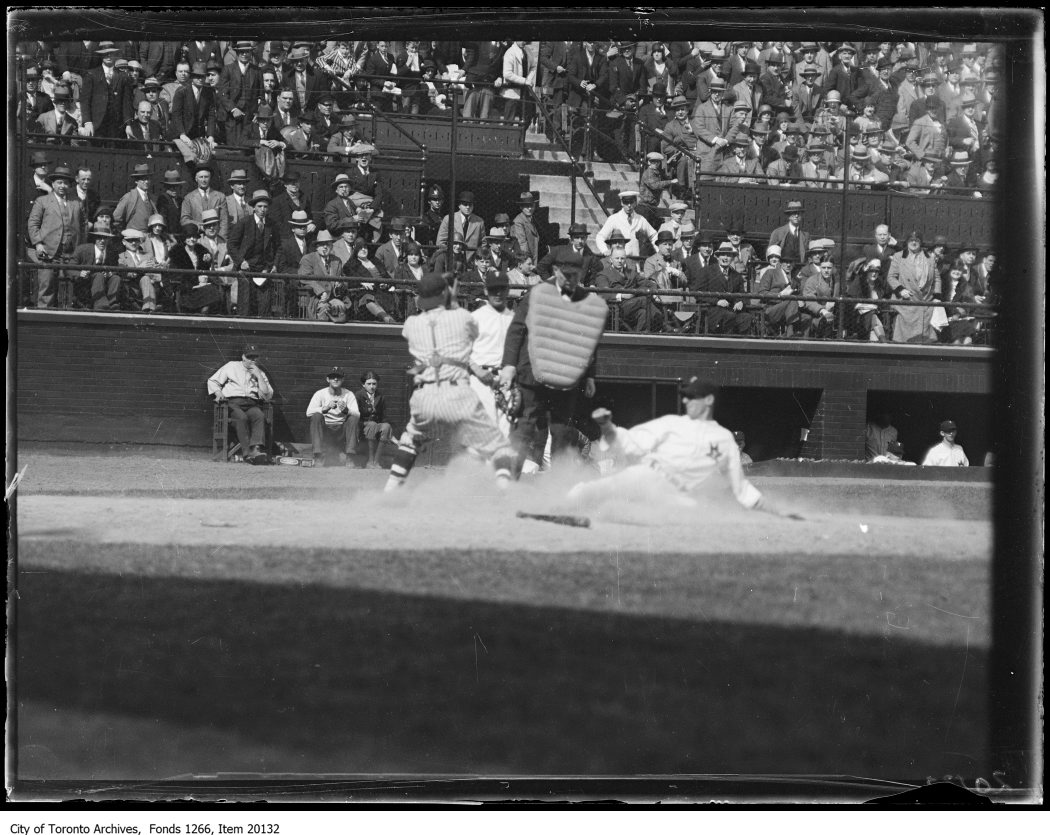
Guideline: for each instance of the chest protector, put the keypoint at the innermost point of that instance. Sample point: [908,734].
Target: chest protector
[562,335]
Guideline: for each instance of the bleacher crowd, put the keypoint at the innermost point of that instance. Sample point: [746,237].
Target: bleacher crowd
[918,116]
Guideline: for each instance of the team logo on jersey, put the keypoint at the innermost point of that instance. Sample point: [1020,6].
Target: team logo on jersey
[715,452]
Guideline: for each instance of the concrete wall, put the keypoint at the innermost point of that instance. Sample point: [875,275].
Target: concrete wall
[126,378]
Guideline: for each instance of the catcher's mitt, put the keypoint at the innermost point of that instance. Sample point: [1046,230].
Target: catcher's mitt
[508,402]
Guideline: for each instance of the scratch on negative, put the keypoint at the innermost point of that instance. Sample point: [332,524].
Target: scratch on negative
[893,624]
[155,431]
[956,614]
[962,678]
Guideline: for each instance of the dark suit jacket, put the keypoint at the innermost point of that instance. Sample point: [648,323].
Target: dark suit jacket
[711,280]
[554,54]
[247,243]
[158,59]
[334,211]
[288,254]
[369,184]
[74,57]
[368,412]
[578,70]
[563,255]
[281,211]
[156,134]
[96,95]
[194,118]
[210,52]
[84,254]
[240,90]
[624,78]
[315,86]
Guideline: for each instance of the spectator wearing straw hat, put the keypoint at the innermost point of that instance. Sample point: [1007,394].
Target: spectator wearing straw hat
[160,108]
[106,96]
[362,178]
[292,199]
[237,200]
[318,271]
[55,227]
[138,286]
[96,289]
[959,181]
[253,246]
[295,241]
[340,207]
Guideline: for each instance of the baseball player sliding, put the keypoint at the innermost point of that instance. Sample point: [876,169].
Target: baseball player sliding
[441,338]
[673,454]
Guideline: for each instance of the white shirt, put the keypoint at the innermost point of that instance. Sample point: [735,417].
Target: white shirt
[324,398]
[946,454]
[492,333]
[628,228]
[234,380]
[687,452]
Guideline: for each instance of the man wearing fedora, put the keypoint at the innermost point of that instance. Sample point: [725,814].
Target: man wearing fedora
[344,137]
[576,254]
[678,134]
[619,274]
[392,253]
[55,228]
[523,227]
[137,205]
[362,177]
[169,201]
[324,123]
[96,289]
[295,242]
[790,237]
[57,121]
[724,315]
[237,200]
[291,200]
[928,134]
[847,78]
[32,102]
[194,114]
[319,271]
[204,197]
[340,207]
[253,246]
[305,84]
[462,223]
[106,96]
[240,84]
[739,163]
[711,123]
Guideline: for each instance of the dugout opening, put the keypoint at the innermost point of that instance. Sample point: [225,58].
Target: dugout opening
[918,416]
[772,419]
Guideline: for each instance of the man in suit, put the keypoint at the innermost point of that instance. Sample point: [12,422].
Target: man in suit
[57,121]
[619,274]
[928,136]
[747,89]
[711,123]
[587,74]
[237,200]
[626,75]
[288,202]
[182,79]
[554,80]
[136,206]
[735,64]
[652,116]
[340,207]
[362,178]
[32,103]
[740,163]
[964,130]
[253,246]
[144,129]
[193,113]
[344,137]
[304,84]
[105,98]
[679,133]
[575,254]
[776,91]
[169,201]
[793,242]
[203,52]
[160,108]
[158,59]
[463,223]
[295,244]
[76,58]
[55,229]
[523,228]
[240,84]
[724,315]
[883,249]
[318,271]
[96,289]
[392,253]
[204,197]
[847,78]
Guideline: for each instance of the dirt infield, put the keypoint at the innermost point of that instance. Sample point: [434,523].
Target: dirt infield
[179,616]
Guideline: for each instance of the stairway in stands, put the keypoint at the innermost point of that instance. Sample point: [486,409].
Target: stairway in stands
[555,190]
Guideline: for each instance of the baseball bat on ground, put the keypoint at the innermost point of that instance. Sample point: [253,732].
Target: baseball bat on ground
[574,521]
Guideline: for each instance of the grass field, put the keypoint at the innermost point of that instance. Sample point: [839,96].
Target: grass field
[177,616]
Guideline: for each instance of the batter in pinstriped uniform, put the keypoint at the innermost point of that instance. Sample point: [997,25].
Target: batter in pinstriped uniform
[441,339]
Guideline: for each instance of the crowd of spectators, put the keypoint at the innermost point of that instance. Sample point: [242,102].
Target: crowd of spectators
[784,115]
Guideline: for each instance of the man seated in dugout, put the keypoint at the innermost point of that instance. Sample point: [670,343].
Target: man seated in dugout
[334,418]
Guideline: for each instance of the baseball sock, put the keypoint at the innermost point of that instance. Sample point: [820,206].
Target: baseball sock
[404,459]
[504,463]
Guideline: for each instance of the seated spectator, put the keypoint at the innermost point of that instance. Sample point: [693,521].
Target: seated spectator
[816,170]
[864,281]
[893,455]
[745,251]
[947,453]
[369,219]
[818,317]
[924,177]
[666,274]
[497,243]
[724,315]
[346,230]
[959,182]
[32,103]
[219,254]
[145,295]
[246,388]
[194,114]
[787,170]
[57,121]
[41,163]
[136,207]
[143,128]
[295,244]
[862,174]
[372,407]
[472,283]
[392,253]
[774,288]
[344,137]
[370,295]
[159,244]
[741,442]
[334,417]
[205,293]
[329,300]
[912,276]
[522,276]
[963,323]
[265,140]
[618,274]
[464,223]
[96,289]
[169,201]
[510,251]
[341,206]
[739,169]
[441,263]
[412,269]
[673,224]
[575,254]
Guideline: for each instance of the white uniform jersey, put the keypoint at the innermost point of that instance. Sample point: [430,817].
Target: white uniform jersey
[492,333]
[946,455]
[687,452]
[438,333]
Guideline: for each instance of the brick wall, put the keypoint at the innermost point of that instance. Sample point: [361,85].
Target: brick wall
[110,378]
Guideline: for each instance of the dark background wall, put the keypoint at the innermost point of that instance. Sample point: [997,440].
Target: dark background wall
[110,378]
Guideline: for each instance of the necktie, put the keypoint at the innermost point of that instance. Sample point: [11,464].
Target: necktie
[524,64]
[466,220]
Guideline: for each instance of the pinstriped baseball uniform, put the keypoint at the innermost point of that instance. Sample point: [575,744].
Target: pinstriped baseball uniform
[446,396]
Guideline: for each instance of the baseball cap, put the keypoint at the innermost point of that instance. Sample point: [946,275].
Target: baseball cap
[336,372]
[948,426]
[698,387]
[496,281]
[250,351]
